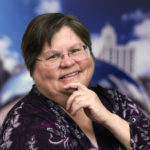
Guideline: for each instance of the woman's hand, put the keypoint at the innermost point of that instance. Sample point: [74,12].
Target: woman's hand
[82,97]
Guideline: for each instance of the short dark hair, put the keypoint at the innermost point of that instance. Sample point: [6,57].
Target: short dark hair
[42,28]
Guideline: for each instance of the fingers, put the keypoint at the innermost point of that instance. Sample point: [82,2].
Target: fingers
[77,105]
[77,86]
[86,99]
[77,99]
[71,99]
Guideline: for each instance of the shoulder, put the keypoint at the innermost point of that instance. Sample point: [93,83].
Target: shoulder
[110,93]
[105,93]
[118,101]
[25,121]
[24,113]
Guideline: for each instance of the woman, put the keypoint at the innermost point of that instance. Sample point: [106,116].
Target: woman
[61,112]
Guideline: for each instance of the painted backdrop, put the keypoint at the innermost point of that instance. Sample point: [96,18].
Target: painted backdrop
[125,22]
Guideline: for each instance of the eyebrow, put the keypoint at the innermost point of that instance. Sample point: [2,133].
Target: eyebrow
[54,50]
[77,44]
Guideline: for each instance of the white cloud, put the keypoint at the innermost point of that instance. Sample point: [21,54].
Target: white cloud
[8,57]
[142,30]
[137,16]
[48,6]
[142,47]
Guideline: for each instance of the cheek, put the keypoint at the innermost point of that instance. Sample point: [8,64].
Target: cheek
[51,73]
[44,74]
[87,63]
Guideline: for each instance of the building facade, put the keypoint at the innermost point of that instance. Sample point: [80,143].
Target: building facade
[119,55]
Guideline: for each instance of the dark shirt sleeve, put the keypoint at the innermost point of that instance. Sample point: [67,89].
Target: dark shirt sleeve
[139,123]
[28,131]
[16,137]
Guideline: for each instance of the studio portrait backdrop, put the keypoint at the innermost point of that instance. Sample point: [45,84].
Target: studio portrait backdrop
[120,33]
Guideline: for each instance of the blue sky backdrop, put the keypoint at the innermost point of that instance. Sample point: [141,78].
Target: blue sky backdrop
[130,19]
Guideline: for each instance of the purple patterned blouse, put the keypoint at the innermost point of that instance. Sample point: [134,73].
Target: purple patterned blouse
[36,123]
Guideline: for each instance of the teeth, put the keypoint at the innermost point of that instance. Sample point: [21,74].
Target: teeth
[69,75]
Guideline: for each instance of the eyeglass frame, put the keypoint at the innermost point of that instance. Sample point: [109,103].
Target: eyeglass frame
[84,46]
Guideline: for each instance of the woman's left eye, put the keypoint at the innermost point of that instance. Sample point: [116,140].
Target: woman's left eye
[75,50]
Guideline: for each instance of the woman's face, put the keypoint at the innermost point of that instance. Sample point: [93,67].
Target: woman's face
[50,80]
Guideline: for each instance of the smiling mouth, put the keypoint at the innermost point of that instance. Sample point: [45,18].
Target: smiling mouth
[69,75]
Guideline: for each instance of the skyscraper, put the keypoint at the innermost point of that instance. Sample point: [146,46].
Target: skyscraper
[119,55]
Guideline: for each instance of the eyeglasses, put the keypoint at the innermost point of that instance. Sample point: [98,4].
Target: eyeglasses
[54,58]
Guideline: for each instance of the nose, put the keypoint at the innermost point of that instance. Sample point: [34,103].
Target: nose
[66,61]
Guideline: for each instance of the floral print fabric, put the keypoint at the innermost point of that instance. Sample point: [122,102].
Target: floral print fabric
[36,123]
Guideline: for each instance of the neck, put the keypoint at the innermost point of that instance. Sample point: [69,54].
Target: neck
[61,99]
[80,116]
